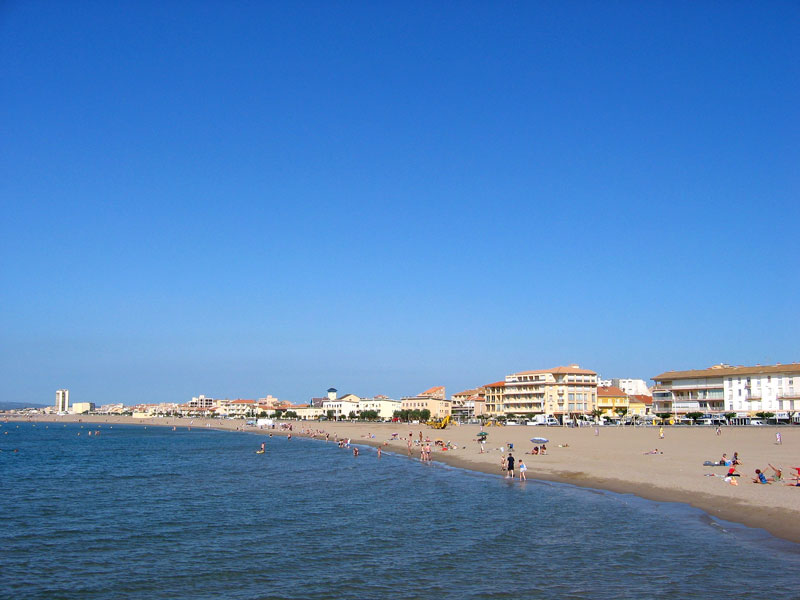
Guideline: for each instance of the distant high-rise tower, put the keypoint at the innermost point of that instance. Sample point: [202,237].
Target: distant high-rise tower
[332,394]
[62,400]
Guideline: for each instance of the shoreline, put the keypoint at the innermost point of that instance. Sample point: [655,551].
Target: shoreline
[614,460]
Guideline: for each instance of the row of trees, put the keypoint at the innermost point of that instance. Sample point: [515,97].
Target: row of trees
[413,415]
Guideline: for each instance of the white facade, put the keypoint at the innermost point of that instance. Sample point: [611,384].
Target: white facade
[632,387]
[724,388]
[340,408]
[62,400]
[385,407]
[773,392]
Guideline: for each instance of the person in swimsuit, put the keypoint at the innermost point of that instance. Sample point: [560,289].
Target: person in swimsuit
[522,470]
[760,477]
[510,460]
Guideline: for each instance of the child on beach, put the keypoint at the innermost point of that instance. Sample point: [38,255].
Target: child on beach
[760,477]
[522,470]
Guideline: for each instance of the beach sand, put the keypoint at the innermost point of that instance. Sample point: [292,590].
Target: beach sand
[613,460]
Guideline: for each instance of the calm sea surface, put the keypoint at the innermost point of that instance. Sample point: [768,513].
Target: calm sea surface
[155,513]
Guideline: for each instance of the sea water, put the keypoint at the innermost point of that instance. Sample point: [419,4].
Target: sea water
[155,513]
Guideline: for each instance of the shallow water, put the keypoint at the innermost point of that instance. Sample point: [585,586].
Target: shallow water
[156,513]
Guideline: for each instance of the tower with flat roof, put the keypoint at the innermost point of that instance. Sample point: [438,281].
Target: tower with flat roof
[62,400]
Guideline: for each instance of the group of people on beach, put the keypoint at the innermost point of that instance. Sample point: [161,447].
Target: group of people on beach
[760,478]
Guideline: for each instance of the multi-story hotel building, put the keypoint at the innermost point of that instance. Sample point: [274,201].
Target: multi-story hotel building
[724,388]
[494,394]
[62,400]
[561,391]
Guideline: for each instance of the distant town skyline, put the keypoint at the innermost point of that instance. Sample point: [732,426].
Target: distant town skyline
[240,200]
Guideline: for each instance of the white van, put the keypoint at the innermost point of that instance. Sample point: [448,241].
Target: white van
[756,422]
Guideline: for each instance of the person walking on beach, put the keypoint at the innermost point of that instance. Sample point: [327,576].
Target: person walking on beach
[661,433]
[719,430]
[778,439]
[522,470]
[510,466]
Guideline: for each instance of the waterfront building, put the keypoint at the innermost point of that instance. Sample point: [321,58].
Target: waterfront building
[383,405]
[80,408]
[724,388]
[494,394]
[201,402]
[62,401]
[639,404]
[561,392]
[470,408]
[432,399]
[629,386]
[307,412]
[610,399]
[342,407]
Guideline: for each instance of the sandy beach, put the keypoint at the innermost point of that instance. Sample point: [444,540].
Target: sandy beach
[614,460]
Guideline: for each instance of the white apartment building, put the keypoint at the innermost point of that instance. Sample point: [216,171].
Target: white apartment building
[724,388]
[341,407]
[62,400]
[632,387]
[385,407]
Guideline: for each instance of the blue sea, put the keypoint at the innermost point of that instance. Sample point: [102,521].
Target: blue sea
[155,513]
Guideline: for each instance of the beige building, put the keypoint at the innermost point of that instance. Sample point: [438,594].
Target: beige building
[561,391]
[383,405]
[433,399]
[80,408]
[307,412]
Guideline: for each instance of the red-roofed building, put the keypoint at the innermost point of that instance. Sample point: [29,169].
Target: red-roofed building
[493,395]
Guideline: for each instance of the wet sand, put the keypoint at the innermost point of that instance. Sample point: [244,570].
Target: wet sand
[613,460]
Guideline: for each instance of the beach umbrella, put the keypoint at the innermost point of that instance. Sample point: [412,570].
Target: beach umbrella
[482,434]
[539,440]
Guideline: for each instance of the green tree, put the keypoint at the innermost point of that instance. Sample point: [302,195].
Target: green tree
[663,415]
[330,414]
[729,415]
[290,414]
[425,414]
[597,413]
[694,416]
[765,415]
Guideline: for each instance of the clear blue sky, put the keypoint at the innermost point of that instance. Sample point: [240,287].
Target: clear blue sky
[236,199]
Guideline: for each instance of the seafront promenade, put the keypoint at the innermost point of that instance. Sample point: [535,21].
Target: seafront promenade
[610,458]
